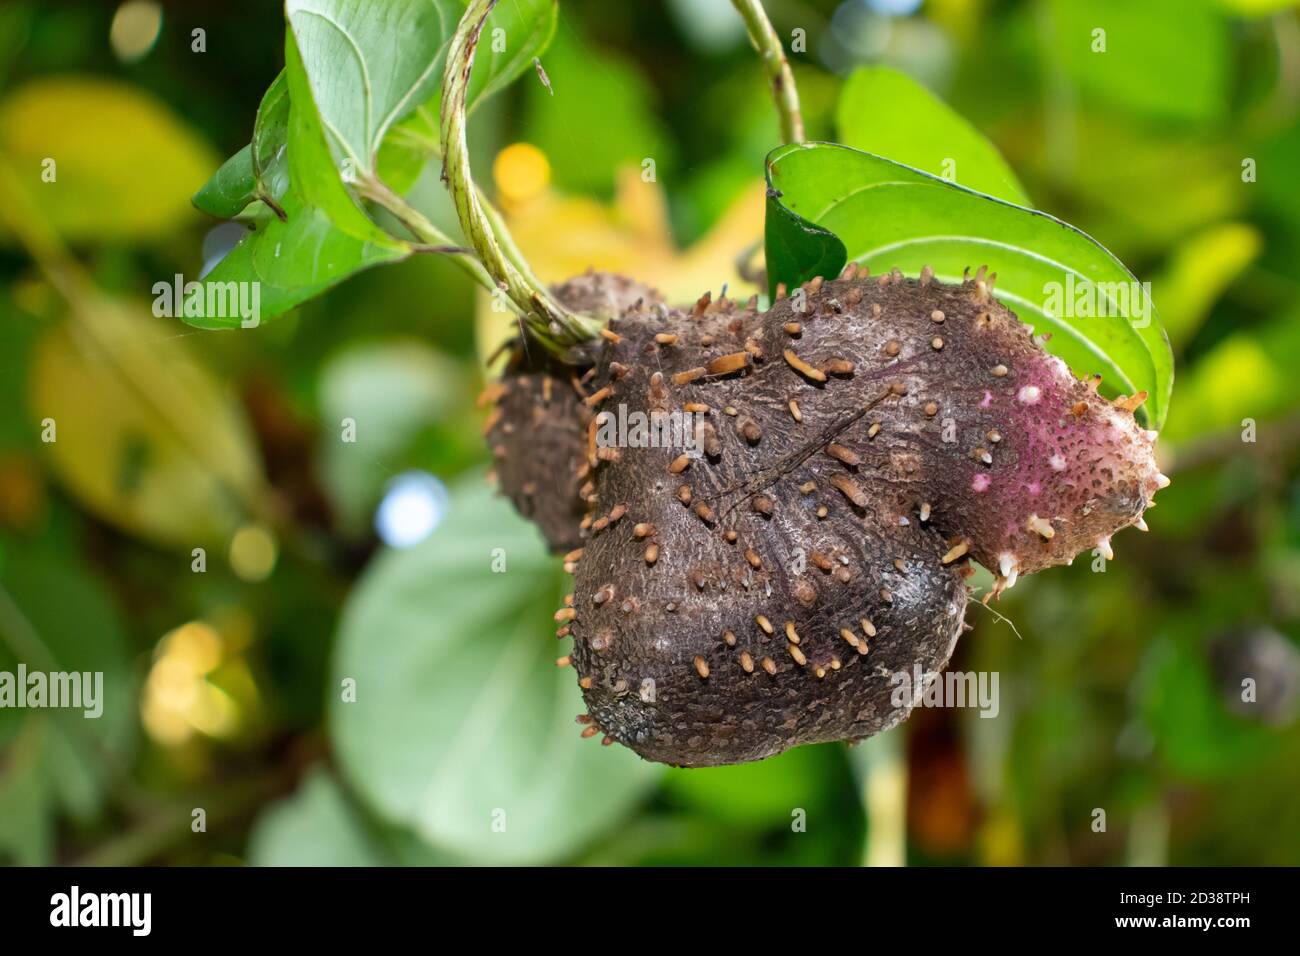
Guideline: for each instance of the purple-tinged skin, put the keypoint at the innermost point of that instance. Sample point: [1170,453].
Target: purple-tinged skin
[1022,461]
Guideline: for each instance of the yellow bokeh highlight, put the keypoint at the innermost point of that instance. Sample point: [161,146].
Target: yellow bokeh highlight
[196,647]
[135,29]
[521,172]
[178,700]
[253,552]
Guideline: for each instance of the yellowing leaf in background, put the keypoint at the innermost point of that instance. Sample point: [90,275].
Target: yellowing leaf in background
[124,166]
[144,437]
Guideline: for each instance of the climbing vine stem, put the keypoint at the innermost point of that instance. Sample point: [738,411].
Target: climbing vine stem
[431,239]
[776,66]
[546,320]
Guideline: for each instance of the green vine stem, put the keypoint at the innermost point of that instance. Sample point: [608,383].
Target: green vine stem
[776,66]
[498,259]
[431,238]
[546,320]
[434,149]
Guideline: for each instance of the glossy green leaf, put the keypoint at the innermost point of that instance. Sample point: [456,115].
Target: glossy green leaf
[295,260]
[334,134]
[407,148]
[363,79]
[314,176]
[828,204]
[260,169]
[463,727]
[271,139]
[231,188]
[888,113]
[364,82]
[324,236]
[515,34]
[796,247]
[517,31]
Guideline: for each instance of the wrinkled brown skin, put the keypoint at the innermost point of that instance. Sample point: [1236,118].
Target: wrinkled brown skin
[538,433]
[605,294]
[913,487]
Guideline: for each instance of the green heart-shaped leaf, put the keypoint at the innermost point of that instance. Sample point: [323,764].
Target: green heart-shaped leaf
[463,729]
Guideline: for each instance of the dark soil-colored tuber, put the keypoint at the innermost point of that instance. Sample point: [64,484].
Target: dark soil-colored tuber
[850,450]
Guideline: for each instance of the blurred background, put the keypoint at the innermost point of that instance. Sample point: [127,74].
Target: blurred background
[307,656]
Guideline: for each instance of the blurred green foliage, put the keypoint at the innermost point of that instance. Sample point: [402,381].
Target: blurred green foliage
[1176,148]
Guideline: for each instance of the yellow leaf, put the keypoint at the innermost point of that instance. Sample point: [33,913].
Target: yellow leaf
[102,160]
[142,435]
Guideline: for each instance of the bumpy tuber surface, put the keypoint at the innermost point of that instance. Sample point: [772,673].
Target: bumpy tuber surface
[854,447]
[538,429]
